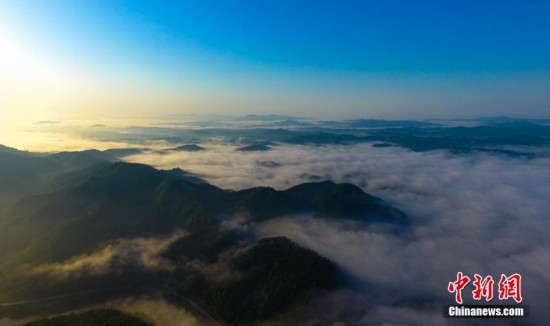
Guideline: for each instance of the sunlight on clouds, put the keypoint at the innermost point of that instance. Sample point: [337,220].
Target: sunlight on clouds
[47,133]
[113,258]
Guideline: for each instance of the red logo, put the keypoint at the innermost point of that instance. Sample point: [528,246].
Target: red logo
[508,287]
[458,285]
[484,287]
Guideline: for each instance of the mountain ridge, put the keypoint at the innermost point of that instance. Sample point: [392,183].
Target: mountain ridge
[53,238]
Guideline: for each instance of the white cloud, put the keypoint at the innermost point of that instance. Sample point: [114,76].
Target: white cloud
[158,311]
[471,213]
[139,252]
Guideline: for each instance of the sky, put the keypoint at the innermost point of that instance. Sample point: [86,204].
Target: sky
[323,59]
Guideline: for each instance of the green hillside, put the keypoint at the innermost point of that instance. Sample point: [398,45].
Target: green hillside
[85,211]
[270,277]
[116,200]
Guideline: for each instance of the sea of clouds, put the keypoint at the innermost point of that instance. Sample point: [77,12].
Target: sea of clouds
[472,213]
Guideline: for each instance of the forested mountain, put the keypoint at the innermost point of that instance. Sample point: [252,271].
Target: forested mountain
[98,229]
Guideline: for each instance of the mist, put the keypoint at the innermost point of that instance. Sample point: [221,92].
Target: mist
[115,257]
[470,213]
[157,311]
[474,213]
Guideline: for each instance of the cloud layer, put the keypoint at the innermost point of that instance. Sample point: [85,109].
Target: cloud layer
[471,213]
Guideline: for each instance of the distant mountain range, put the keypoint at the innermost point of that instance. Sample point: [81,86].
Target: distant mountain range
[269,117]
[503,136]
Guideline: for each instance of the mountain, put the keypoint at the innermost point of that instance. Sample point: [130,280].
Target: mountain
[323,198]
[269,164]
[21,173]
[483,138]
[11,150]
[505,119]
[95,228]
[269,117]
[274,275]
[147,201]
[291,123]
[254,148]
[121,152]
[375,123]
[188,148]
[322,138]
[184,175]
[82,158]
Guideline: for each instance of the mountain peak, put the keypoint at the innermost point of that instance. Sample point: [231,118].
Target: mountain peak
[254,148]
[189,148]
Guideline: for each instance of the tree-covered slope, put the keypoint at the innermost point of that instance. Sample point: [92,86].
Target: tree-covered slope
[268,279]
[21,172]
[115,200]
[84,212]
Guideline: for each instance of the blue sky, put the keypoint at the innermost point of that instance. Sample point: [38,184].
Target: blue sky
[385,59]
